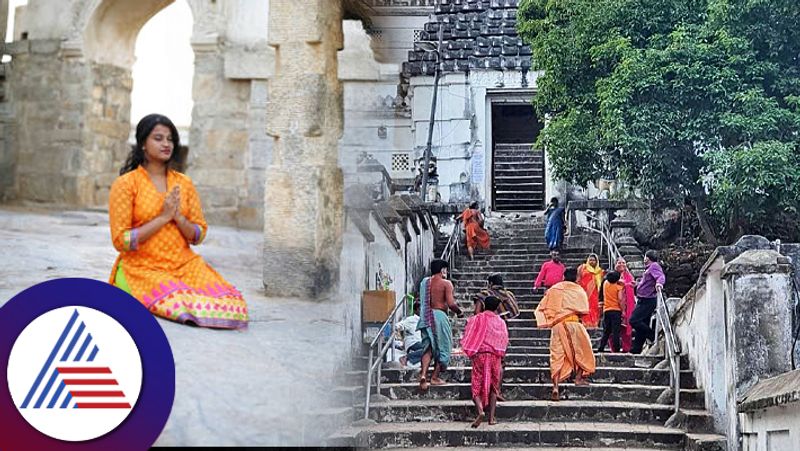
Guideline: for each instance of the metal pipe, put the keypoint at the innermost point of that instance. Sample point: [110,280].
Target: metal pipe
[368,384]
[427,159]
[380,365]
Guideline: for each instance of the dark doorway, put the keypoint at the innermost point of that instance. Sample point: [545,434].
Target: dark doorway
[518,168]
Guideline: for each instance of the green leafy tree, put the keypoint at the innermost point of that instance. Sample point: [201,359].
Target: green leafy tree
[645,90]
[756,188]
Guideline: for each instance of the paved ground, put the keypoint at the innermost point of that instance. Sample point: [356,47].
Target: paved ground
[233,388]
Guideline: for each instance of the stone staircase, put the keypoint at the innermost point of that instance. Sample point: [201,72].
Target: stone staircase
[518,178]
[621,409]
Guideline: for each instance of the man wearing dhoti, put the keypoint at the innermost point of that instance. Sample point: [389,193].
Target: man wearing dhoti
[436,298]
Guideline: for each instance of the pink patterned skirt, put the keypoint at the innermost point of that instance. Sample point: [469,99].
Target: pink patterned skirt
[486,369]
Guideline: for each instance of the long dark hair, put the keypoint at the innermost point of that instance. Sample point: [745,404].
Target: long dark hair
[143,130]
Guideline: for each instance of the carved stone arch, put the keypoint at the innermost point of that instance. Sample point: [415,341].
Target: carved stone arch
[106,30]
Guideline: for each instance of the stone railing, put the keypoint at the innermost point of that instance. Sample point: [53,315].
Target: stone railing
[735,325]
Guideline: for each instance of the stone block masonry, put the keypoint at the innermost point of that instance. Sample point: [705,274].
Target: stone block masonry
[303,208]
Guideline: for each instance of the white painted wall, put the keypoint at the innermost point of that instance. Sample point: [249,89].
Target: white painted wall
[700,326]
[462,133]
[735,329]
[773,429]
[359,266]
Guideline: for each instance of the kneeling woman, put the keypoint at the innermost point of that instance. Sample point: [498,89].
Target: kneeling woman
[155,214]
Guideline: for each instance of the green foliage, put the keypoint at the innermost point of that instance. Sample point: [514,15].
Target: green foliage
[662,93]
[756,188]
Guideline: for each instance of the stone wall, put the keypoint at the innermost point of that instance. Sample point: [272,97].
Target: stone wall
[395,235]
[69,88]
[51,97]
[108,129]
[735,325]
[219,141]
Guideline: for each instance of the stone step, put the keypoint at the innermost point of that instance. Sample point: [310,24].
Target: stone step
[512,434]
[513,177]
[518,190]
[690,398]
[542,360]
[447,410]
[514,166]
[522,200]
[483,260]
[540,342]
[508,273]
[525,329]
[533,171]
[524,157]
[640,376]
[518,158]
[528,295]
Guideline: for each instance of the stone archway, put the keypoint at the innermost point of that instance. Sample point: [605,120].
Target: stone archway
[71,82]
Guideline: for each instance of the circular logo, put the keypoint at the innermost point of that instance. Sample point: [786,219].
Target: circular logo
[89,377]
[87,366]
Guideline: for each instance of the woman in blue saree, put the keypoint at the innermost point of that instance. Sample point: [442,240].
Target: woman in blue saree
[554,230]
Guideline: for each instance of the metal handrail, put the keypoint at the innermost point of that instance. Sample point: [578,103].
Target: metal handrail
[663,322]
[452,247]
[448,254]
[612,252]
[383,348]
[673,347]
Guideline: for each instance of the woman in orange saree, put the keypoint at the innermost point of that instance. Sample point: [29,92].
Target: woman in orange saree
[473,225]
[590,277]
[154,215]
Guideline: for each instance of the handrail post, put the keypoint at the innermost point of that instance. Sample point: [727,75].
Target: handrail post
[380,363]
[677,382]
[391,336]
[368,384]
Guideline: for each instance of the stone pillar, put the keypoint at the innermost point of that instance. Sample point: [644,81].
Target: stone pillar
[303,211]
[218,138]
[758,309]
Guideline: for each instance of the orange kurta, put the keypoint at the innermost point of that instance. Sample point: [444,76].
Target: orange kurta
[163,273]
[590,281]
[570,346]
[476,235]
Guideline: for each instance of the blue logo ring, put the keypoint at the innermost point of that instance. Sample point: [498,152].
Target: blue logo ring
[150,413]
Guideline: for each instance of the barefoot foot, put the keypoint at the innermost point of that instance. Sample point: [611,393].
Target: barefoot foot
[492,421]
[581,382]
[554,395]
[423,385]
[437,381]
[478,420]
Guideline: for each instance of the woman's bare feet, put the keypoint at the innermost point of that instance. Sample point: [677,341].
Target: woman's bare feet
[500,397]
[437,381]
[554,394]
[423,385]
[492,421]
[478,420]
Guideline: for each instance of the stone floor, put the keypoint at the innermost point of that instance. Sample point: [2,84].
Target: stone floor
[256,387]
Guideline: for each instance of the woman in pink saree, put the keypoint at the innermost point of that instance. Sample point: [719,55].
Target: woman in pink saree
[630,300]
